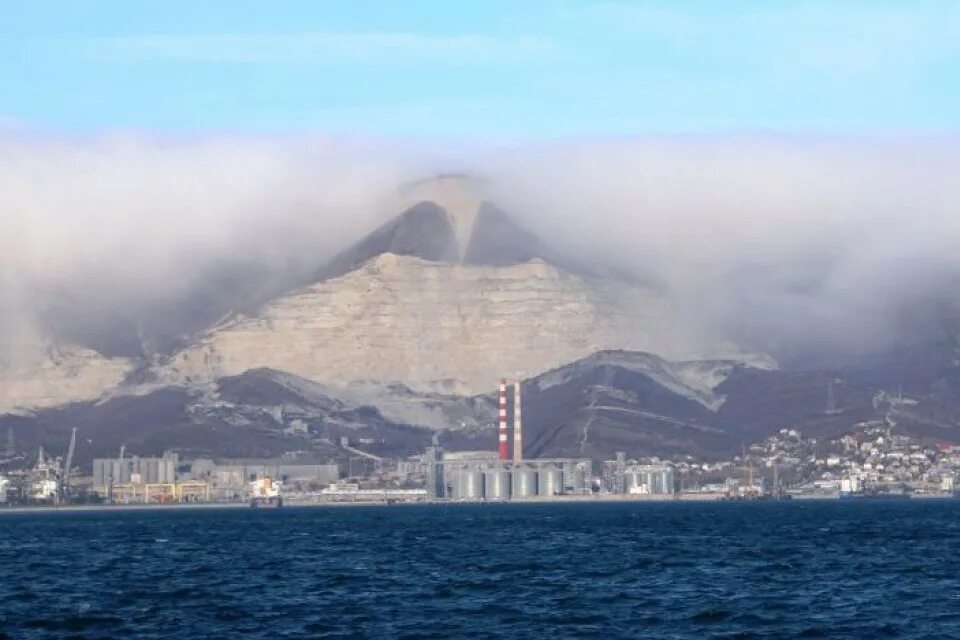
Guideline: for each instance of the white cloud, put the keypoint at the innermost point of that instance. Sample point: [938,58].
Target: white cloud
[795,244]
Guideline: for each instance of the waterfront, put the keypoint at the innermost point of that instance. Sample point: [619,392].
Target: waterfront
[655,570]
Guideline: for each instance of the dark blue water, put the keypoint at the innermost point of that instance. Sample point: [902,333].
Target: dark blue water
[885,569]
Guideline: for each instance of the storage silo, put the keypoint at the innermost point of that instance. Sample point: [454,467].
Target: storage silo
[471,484]
[496,484]
[456,484]
[524,483]
[649,479]
[168,471]
[655,482]
[550,481]
[578,482]
[667,481]
[633,479]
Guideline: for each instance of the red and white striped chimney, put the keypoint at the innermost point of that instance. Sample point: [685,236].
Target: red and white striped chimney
[504,450]
[517,425]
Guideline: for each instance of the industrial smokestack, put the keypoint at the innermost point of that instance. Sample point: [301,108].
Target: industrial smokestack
[504,448]
[517,425]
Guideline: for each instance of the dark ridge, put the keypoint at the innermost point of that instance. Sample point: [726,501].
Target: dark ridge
[496,240]
[616,406]
[423,230]
[262,387]
[613,405]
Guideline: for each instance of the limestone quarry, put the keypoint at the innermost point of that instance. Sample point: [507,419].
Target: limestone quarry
[433,326]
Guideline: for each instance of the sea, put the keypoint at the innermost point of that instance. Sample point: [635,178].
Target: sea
[795,569]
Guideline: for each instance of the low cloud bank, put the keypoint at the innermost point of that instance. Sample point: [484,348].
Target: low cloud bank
[803,247]
[797,246]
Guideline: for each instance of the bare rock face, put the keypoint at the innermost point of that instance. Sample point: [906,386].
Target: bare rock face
[448,297]
[56,375]
[434,326]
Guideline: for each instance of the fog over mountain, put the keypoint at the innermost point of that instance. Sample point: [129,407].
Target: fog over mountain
[802,247]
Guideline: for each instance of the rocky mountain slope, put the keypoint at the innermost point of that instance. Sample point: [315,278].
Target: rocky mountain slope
[46,375]
[610,401]
[407,333]
[448,297]
[432,326]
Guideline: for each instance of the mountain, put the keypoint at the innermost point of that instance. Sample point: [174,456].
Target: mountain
[644,405]
[432,326]
[241,416]
[407,332]
[607,402]
[447,297]
[44,374]
[923,369]
[425,231]
[616,401]
[445,220]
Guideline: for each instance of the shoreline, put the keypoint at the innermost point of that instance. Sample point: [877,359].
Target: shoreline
[293,504]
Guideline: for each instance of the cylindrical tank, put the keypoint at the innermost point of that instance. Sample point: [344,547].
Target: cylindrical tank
[667,481]
[456,485]
[579,480]
[656,482]
[647,478]
[550,481]
[470,485]
[496,484]
[524,483]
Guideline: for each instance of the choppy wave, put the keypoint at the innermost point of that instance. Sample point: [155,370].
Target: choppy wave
[824,570]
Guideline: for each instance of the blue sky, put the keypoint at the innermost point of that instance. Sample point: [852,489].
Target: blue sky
[493,69]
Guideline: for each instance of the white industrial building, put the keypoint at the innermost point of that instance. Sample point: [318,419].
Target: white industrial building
[134,470]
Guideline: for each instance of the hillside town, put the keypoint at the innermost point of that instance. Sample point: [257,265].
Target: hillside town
[871,460]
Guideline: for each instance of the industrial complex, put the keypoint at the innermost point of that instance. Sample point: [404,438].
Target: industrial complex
[436,475]
[871,461]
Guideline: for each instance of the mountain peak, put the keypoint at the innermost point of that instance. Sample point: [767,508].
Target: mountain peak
[445,219]
[457,194]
